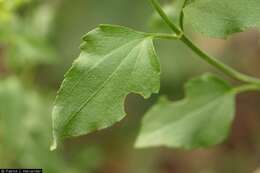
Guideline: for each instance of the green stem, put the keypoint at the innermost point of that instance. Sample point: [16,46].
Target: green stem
[218,64]
[245,88]
[211,60]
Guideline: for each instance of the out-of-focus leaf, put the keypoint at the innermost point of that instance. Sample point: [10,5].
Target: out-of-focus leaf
[27,50]
[26,39]
[25,129]
[202,119]
[222,18]
[8,7]
[114,62]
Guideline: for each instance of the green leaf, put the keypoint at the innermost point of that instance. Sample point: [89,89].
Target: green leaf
[114,62]
[222,18]
[202,119]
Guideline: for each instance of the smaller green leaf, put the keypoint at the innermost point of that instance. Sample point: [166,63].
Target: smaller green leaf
[202,119]
[221,18]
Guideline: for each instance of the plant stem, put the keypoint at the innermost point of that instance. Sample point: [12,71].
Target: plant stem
[211,60]
[218,64]
[245,88]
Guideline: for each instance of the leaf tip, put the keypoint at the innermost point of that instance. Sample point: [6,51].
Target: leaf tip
[54,145]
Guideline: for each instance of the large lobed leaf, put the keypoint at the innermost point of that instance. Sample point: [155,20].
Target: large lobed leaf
[221,18]
[202,119]
[114,62]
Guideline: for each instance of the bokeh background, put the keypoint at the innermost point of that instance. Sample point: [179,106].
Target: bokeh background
[39,39]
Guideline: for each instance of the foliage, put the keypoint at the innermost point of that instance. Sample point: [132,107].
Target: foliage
[7,8]
[26,48]
[116,61]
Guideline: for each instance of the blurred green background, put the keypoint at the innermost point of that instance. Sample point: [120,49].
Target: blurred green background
[39,39]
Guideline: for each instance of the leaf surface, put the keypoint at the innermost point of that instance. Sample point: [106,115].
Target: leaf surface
[114,62]
[202,119]
[221,18]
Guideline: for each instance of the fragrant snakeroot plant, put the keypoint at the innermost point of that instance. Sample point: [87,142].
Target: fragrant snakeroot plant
[115,61]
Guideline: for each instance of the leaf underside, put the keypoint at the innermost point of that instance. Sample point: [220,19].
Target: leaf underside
[202,119]
[221,18]
[114,62]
